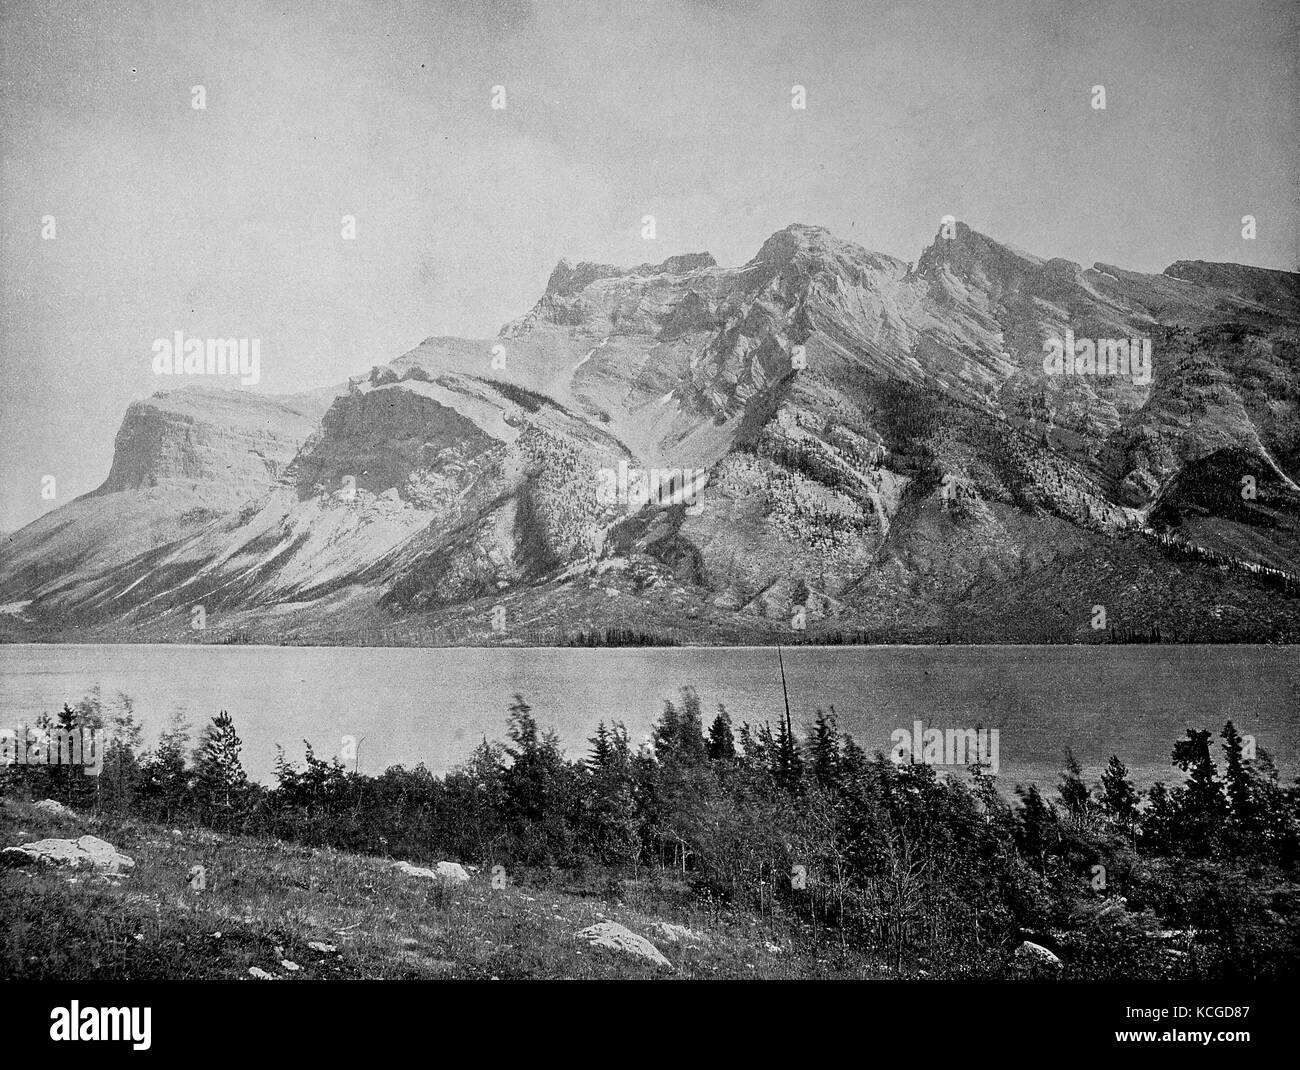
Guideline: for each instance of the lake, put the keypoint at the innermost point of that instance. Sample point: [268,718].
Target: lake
[409,705]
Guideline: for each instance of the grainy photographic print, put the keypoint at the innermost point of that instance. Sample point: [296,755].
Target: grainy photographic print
[537,490]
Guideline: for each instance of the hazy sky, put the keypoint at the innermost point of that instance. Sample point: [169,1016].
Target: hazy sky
[226,221]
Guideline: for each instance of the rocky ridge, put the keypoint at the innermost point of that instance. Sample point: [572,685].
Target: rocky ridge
[885,456]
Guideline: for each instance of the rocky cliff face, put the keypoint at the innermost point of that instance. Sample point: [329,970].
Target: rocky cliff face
[225,446]
[182,460]
[880,446]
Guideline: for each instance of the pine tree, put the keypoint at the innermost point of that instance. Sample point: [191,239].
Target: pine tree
[121,775]
[679,735]
[76,730]
[679,785]
[824,751]
[1159,821]
[1237,780]
[165,780]
[1119,799]
[610,805]
[601,749]
[853,762]
[1277,812]
[537,787]
[1202,808]
[480,785]
[1035,828]
[219,779]
[722,744]
[1262,822]
[76,740]
[751,753]
[865,822]
[1073,790]
[35,777]
[788,769]
[788,766]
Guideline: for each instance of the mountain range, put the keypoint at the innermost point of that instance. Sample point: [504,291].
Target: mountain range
[886,457]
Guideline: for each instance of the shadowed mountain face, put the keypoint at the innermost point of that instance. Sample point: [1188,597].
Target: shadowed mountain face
[881,446]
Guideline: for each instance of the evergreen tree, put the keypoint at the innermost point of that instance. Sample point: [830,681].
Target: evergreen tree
[1202,808]
[1035,828]
[1276,812]
[1159,822]
[1119,799]
[679,786]
[611,828]
[788,762]
[1073,790]
[679,735]
[1262,820]
[865,822]
[756,748]
[601,748]
[477,803]
[853,763]
[73,738]
[220,782]
[164,777]
[1237,781]
[35,777]
[722,744]
[121,774]
[312,802]
[824,751]
[537,788]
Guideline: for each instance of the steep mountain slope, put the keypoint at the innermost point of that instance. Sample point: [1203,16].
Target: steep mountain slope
[880,448]
[182,459]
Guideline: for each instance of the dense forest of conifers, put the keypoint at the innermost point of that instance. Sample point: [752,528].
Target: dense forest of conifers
[1195,878]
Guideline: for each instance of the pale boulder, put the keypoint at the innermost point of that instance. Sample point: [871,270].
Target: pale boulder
[89,851]
[679,933]
[450,873]
[1031,955]
[610,934]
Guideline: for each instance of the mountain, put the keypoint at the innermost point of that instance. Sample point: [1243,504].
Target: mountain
[883,451]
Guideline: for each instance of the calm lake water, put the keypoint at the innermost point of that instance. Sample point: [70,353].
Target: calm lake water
[434,705]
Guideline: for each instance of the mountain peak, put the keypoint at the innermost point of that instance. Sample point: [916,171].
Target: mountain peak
[481,476]
[567,279]
[968,249]
[795,239]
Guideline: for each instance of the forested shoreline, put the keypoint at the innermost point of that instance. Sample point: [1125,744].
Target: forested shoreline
[1193,878]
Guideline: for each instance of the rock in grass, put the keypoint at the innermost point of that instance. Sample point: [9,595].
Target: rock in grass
[1030,956]
[261,974]
[88,851]
[620,938]
[679,933]
[452,873]
[55,808]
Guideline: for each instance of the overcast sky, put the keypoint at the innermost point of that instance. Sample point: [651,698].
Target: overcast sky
[226,221]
